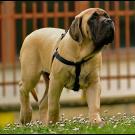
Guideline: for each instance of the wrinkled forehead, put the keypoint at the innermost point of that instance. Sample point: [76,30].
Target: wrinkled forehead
[90,11]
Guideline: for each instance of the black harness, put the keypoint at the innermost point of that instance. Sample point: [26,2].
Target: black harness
[77,66]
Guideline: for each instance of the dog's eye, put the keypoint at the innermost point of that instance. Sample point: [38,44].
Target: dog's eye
[106,15]
[94,16]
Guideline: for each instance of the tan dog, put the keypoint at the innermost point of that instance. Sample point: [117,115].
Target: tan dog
[87,35]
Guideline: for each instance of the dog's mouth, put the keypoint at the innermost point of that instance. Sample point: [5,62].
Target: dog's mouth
[104,33]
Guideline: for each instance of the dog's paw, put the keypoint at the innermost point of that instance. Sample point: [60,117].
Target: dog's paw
[99,123]
[95,119]
[25,116]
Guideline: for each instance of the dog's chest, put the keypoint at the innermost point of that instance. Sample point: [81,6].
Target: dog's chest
[84,78]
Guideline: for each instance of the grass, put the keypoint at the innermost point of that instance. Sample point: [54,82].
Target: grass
[117,124]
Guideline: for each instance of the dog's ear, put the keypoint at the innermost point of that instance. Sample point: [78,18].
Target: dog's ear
[75,30]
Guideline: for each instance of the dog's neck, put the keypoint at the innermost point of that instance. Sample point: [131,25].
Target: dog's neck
[72,50]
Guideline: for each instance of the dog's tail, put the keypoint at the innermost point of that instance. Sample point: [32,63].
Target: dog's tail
[33,92]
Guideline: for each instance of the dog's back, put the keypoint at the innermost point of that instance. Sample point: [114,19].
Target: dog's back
[39,46]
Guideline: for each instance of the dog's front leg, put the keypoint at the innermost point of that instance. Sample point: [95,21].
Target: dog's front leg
[93,100]
[55,89]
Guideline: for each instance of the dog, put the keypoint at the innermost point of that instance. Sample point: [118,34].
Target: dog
[72,60]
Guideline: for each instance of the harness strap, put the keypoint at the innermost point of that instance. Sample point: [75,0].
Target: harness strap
[77,68]
[56,55]
[77,73]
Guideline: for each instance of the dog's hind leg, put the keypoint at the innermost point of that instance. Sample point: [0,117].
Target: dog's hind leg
[29,78]
[26,109]
[43,104]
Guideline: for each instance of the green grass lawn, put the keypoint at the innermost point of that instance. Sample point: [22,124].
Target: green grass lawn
[118,124]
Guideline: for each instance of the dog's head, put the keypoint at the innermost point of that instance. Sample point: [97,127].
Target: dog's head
[94,24]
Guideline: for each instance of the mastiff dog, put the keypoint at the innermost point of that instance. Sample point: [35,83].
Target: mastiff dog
[69,59]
